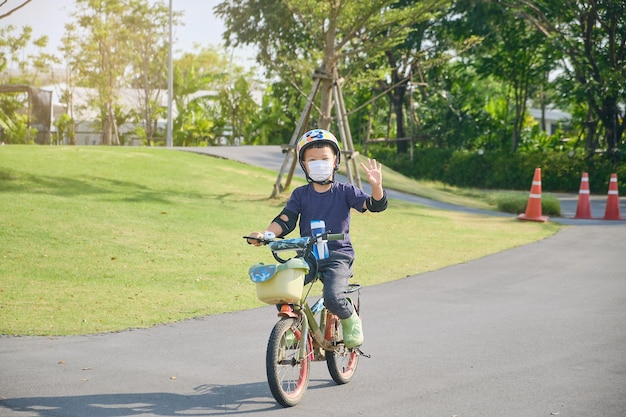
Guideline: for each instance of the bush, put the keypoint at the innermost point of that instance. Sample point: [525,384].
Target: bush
[516,203]
[560,171]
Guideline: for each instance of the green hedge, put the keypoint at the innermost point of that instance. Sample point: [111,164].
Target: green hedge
[560,172]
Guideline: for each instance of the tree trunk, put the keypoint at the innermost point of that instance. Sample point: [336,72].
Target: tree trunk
[396,98]
[402,146]
[610,118]
[329,66]
[326,102]
[106,128]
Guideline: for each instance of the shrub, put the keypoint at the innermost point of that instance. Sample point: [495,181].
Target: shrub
[516,203]
[560,171]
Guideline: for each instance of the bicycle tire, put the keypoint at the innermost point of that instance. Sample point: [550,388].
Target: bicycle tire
[341,362]
[288,379]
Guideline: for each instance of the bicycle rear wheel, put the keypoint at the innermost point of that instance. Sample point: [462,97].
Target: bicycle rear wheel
[341,362]
[288,377]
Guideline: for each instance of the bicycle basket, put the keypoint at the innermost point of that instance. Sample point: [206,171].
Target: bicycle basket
[279,283]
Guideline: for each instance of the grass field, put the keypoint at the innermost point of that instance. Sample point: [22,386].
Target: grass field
[100,239]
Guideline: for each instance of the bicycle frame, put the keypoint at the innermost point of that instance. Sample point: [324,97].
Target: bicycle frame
[318,331]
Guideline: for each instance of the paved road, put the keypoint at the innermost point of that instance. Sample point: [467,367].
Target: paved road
[535,331]
[538,330]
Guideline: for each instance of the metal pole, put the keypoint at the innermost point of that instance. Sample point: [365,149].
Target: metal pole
[170,85]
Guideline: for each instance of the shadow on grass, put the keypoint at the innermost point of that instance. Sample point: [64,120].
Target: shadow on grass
[105,188]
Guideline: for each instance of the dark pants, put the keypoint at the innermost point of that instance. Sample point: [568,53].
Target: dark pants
[336,271]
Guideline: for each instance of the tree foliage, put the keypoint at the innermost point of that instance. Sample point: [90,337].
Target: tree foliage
[454,74]
[514,53]
[149,60]
[592,37]
[300,36]
[104,57]
[17,66]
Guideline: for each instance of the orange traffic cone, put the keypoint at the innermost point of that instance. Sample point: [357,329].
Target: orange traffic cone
[583,210]
[612,202]
[533,208]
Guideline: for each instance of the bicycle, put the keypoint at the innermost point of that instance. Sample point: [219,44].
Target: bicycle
[304,333]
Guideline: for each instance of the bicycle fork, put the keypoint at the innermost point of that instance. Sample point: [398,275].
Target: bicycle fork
[308,326]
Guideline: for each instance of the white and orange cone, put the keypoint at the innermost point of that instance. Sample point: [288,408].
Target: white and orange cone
[533,208]
[583,209]
[611,211]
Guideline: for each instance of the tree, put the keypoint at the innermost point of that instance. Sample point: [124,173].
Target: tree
[516,55]
[281,105]
[70,56]
[238,108]
[15,65]
[462,109]
[105,55]
[300,36]
[18,67]
[500,46]
[196,81]
[406,61]
[150,45]
[592,36]
[118,44]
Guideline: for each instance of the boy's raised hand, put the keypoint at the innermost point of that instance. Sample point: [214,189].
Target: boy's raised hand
[374,172]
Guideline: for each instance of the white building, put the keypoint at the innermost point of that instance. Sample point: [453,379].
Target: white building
[87,133]
[553,118]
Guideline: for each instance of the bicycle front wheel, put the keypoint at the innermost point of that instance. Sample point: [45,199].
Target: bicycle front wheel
[341,362]
[288,377]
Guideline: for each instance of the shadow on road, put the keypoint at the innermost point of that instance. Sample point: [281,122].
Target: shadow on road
[207,400]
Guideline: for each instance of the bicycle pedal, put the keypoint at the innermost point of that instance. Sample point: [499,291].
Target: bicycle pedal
[360,353]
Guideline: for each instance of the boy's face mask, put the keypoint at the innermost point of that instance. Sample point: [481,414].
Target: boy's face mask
[320,170]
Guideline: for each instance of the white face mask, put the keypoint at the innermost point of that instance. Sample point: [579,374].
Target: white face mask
[320,170]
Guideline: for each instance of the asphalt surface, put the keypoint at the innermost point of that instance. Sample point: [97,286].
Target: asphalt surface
[538,330]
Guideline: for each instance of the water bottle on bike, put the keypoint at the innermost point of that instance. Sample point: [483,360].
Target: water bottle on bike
[320,250]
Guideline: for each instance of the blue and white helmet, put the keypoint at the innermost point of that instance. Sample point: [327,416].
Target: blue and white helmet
[316,135]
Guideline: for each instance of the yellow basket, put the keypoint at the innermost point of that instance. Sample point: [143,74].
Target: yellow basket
[281,283]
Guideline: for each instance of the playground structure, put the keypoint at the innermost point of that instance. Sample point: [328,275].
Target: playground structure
[349,155]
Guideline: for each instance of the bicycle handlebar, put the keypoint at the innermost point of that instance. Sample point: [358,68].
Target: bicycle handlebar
[301,245]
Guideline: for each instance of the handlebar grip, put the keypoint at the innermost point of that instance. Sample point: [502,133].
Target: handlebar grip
[258,239]
[335,236]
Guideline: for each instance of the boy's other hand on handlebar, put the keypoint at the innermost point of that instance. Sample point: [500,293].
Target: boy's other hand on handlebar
[255,238]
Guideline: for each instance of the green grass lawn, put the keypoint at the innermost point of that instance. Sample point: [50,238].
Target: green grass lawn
[507,201]
[100,239]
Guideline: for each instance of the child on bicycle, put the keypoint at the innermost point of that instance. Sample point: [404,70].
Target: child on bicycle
[324,199]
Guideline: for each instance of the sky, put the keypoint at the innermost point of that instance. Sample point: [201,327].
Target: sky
[48,17]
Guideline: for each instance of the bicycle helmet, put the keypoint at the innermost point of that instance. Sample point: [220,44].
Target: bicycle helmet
[316,136]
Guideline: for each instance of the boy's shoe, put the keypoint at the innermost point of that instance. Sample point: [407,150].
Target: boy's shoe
[352,331]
